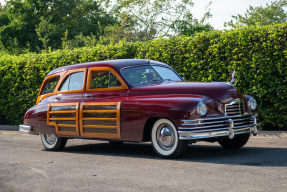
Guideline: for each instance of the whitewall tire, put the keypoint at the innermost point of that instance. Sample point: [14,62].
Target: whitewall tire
[165,139]
[53,143]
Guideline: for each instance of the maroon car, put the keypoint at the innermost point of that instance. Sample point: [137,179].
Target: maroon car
[134,100]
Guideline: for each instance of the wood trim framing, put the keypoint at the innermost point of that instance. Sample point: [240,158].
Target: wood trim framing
[124,86]
[100,135]
[69,73]
[51,112]
[57,126]
[41,97]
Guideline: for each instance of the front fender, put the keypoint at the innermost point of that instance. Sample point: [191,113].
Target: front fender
[136,110]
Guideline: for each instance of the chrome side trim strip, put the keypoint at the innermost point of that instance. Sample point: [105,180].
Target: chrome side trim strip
[204,123]
[202,127]
[211,123]
[208,130]
[210,119]
[238,119]
[25,128]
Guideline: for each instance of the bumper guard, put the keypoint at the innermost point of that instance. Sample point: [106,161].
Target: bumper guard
[25,128]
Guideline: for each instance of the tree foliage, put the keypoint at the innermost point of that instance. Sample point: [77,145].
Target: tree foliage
[191,25]
[142,20]
[271,14]
[4,20]
[34,25]
[37,23]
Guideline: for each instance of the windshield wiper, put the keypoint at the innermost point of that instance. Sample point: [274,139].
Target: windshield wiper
[153,81]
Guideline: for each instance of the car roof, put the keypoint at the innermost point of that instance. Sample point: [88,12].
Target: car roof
[117,65]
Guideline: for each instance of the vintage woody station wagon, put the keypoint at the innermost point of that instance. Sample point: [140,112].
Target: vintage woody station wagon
[136,100]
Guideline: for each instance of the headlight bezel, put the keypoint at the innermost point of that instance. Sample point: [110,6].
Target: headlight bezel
[200,109]
[251,103]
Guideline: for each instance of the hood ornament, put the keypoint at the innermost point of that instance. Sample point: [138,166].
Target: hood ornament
[232,79]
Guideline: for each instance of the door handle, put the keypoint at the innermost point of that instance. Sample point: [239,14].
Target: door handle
[90,96]
[58,98]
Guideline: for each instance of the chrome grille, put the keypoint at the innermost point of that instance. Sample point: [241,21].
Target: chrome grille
[235,107]
[219,123]
[252,121]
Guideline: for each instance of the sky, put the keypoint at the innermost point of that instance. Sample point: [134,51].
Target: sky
[221,9]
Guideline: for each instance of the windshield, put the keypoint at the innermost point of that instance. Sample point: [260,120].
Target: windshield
[147,73]
[166,73]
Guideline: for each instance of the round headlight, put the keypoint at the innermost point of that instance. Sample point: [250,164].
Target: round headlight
[201,109]
[252,104]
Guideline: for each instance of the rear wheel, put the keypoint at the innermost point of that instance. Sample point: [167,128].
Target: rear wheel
[237,142]
[53,143]
[165,140]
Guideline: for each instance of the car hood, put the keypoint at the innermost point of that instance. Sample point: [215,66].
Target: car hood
[221,91]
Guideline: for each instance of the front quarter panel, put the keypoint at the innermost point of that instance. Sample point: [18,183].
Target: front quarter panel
[136,110]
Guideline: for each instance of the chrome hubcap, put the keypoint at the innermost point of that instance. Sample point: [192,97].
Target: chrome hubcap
[165,136]
[50,138]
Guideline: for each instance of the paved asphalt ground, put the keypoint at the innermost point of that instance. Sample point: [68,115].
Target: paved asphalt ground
[88,165]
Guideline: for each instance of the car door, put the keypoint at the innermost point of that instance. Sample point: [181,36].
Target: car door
[100,109]
[63,111]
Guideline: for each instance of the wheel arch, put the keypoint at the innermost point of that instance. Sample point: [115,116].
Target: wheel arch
[149,124]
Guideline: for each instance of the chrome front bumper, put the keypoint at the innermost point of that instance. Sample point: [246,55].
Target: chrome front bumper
[218,127]
[25,128]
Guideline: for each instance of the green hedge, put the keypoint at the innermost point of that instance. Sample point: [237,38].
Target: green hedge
[258,54]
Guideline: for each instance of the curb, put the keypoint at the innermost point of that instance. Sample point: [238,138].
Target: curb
[261,134]
[271,134]
[9,127]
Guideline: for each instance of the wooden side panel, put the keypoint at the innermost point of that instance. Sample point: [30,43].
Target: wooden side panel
[100,119]
[65,118]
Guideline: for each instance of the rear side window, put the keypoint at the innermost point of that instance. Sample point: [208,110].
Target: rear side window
[104,79]
[50,85]
[74,81]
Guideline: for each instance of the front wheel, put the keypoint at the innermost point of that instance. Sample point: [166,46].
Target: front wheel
[237,142]
[53,143]
[165,140]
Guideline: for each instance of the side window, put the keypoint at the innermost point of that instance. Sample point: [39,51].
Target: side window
[75,81]
[114,82]
[99,79]
[50,85]
[104,79]
[139,75]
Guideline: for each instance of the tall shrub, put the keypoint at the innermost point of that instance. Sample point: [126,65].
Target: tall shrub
[258,54]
